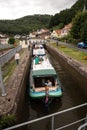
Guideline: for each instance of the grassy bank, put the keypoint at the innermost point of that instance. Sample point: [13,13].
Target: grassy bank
[9,67]
[73,53]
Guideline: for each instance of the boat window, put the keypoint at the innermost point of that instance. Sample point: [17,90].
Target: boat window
[40,81]
[37,82]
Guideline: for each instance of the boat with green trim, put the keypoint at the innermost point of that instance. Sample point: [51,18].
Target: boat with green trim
[41,73]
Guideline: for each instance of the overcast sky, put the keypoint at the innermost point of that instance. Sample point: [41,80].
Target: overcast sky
[13,9]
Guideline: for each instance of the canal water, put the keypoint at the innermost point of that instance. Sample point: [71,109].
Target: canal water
[72,96]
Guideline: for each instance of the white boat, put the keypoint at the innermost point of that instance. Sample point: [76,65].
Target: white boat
[41,72]
[38,50]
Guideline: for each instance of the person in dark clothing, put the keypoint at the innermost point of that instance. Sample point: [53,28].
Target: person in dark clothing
[47,99]
[57,43]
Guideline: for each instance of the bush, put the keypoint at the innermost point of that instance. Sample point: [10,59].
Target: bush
[85,57]
[11,41]
[63,46]
[69,39]
[7,121]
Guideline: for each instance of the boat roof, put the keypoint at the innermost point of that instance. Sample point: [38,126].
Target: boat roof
[45,72]
[44,64]
[43,68]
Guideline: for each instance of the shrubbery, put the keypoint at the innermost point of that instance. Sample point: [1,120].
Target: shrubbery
[7,121]
[11,41]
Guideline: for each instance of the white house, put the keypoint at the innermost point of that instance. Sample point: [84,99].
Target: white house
[66,30]
[56,33]
[33,35]
[4,38]
[17,36]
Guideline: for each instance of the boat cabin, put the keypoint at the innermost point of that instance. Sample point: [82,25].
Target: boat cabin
[41,77]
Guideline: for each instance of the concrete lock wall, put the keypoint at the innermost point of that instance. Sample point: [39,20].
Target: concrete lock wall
[73,67]
[20,99]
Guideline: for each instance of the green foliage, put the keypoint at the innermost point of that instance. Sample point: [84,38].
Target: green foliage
[60,26]
[69,39]
[31,23]
[24,25]
[66,16]
[79,26]
[84,31]
[11,40]
[7,121]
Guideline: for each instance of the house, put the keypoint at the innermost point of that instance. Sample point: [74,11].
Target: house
[17,36]
[66,30]
[3,38]
[61,32]
[43,33]
[33,34]
[24,43]
[56,33]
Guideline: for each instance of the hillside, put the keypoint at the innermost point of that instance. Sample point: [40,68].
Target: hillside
[25,24]
[66,16]
[32,23]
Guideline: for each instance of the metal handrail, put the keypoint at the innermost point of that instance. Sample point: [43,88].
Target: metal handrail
[4,59]
[82,126]
[7,56]
[48,116]
[70,124]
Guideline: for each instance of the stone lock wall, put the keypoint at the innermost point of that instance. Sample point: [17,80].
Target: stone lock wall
[77,71]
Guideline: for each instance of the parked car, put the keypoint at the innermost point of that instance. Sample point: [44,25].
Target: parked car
[82,44]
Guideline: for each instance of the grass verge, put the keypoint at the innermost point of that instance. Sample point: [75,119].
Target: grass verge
[9,67]
[73,53]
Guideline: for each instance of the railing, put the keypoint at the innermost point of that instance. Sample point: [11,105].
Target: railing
[52,119]
[6,46]
[7,56]
[4,59]
[82,126]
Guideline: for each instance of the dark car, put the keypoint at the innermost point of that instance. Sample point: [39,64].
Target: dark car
[82,44]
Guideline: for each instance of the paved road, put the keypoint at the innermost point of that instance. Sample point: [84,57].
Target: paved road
[70,45]
[73,46]
[3,51]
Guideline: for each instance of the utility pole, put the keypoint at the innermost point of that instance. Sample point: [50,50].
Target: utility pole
[3,93]
[84,8]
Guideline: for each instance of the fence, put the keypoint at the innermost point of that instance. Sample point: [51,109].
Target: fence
[6,46]
[7,56]
[4,59]
[82,126]
[52,116]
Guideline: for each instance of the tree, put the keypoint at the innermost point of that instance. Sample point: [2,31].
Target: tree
[25,24]
[66,16]
[84,31]
[79,26]
[11,40]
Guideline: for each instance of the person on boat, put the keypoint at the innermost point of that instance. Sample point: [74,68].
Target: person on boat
[36,60]
[49,83]
[41,51]
[46,104]
[46,99]
[46,90]
[35,51]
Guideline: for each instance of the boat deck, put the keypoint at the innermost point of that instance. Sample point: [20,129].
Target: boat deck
[40,89]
